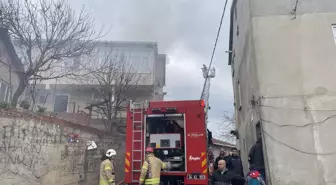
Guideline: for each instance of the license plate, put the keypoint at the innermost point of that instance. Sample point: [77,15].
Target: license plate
[196,176]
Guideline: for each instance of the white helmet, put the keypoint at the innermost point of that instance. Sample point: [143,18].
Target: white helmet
[110,153]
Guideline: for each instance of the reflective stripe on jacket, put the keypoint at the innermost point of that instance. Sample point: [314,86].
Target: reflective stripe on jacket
[151,169]
[106,173]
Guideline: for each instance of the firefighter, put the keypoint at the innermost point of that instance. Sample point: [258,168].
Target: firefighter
[151,169]
[107,176]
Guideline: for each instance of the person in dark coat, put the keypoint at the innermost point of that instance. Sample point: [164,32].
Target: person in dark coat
[221,157]
[210,156]
[256,157]
[222,176]
[235,165]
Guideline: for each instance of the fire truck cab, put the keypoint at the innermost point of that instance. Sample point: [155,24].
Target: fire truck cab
[177,132]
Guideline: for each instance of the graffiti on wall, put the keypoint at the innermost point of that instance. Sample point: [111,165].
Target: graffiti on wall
[34,132]
[43,149]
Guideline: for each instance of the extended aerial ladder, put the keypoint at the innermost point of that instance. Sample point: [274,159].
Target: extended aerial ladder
[208,74]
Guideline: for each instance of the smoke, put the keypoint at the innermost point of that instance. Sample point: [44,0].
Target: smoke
[151,20]
[168,22]
[193,22]
[185,30]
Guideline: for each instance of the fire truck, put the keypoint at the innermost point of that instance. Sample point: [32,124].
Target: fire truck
[177,132]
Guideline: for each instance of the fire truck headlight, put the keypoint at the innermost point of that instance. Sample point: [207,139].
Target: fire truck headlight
[165,152]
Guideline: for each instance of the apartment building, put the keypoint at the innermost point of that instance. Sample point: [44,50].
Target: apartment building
[10,66]
[282,55]
[71,96]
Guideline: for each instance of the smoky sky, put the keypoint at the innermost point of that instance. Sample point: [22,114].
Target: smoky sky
[185,31]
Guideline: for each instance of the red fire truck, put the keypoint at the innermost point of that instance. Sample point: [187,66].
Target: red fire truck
[177,132]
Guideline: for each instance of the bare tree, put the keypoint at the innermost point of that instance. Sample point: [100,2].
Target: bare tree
[114,80]
[47,35]
[33,92]
[228,126]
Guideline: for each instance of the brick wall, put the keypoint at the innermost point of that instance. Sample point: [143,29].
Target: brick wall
[35,150]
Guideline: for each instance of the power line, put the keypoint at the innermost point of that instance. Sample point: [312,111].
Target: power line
[298,95]
[219,29]
[287,145]
[295,149]
[296,109]
[215,45]
[299,126]
[294,11]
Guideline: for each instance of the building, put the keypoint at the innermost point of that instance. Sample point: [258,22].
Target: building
[10,65]
[282,55]
[72,96]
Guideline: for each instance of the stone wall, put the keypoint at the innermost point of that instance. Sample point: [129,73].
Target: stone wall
[35,150]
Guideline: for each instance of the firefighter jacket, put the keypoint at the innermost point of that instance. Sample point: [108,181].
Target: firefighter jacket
[107,176]
[151,169]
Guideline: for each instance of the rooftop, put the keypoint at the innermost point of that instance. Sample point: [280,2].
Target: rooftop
[222,143]
[133,44]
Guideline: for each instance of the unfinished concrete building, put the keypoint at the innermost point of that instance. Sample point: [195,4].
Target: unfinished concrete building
[282,55]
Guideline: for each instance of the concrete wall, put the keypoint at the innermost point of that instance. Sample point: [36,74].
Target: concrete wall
[288,64]
[294,84]
[285,7]
[36,151]
[244,78]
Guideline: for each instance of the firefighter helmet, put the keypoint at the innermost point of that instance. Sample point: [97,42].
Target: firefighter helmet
[149,149]
[110,153]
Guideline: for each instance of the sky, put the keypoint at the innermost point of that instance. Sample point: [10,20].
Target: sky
[185,31]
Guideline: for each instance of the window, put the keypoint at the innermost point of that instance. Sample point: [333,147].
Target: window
[164,143]
[239,96]
[233,56]
[9,94]
[237,30]
[177,144]
[258,130]
[140,61]
[144,68]
[42,99]
[5,92]
[333,27]
[61,103]
[235,13]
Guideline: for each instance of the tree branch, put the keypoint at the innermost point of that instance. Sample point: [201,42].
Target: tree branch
[228,125]
[47,36]
[116,79]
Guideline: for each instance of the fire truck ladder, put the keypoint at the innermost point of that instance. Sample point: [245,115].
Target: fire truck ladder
[137,110]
